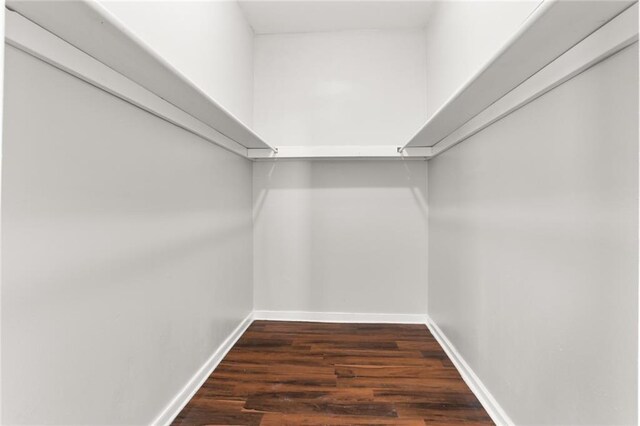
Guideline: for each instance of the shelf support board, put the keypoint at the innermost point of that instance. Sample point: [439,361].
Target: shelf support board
[340,152]
[100,35]
[550,31]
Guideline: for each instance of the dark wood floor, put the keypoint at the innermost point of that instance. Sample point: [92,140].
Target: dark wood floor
[296,373]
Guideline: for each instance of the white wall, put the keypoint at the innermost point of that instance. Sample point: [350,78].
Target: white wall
[533,245]
[340,88]
[340,236]
[208,41]
[127,252]
[461,36]
[2,33]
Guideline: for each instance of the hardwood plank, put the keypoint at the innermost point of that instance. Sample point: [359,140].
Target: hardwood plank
[454,413]
[274,358]
[355,394]
[276,380]
[395,372]
[367,353]
[214,412]
[420,345]
[273,419]
[299,403]
[295,373]
[363,345]
[335,359]
[403,382]
[426,396]
[286,369]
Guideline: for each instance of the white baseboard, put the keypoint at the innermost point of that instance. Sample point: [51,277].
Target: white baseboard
[339,317]
[498,415]
[186,393]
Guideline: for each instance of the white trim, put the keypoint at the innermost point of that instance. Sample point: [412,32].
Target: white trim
[619,33]
[346,317]
[523,55]
[498,415]
[188,391]
[38,42]
[340,151]
[2,32]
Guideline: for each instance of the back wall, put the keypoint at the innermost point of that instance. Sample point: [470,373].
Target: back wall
[340,88]
[340,236]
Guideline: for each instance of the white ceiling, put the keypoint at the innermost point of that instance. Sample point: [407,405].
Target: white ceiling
[269,17]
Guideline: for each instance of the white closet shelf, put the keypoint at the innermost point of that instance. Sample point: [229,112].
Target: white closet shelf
[100,35]
[340,151]
[557,41]
[553,28]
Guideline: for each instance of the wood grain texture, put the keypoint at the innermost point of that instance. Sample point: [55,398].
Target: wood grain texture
[299,373]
